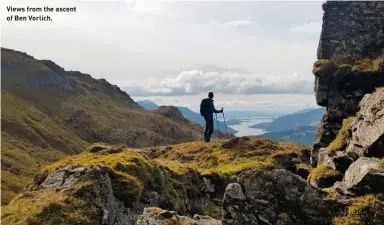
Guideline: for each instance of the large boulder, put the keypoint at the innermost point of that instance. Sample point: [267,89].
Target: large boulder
[71,195]
[338,160]
[366,175]
[157,216]
[276,197]
[368,127]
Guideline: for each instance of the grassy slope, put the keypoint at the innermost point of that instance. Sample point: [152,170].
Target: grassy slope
[176,170]
[29,140]
[48,113]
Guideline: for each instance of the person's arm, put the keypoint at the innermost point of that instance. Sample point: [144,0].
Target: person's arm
[215,110]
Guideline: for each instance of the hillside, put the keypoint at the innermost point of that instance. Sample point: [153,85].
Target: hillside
[48,113]
[303,134]
[302,118]
[187,113]
[105,183]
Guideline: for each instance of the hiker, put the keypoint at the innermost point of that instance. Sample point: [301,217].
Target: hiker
[206,110]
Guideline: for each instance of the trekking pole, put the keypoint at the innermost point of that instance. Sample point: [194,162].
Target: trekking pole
[218,129]
[225,124]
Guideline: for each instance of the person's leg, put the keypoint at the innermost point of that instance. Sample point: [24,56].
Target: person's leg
[210,125]
[206,128]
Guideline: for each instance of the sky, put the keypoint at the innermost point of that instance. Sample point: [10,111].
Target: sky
[255,55]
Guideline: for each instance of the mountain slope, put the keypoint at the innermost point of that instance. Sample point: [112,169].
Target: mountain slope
[302,118]
[303,134]
[49,113]
[187,113]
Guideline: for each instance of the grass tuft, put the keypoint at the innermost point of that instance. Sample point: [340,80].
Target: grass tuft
[342,137]
[364,210]
[324,67]
[323,172]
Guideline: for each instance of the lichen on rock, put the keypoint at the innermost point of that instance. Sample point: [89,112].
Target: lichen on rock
[276,197]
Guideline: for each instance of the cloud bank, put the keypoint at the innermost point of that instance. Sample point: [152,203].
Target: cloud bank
[195,82]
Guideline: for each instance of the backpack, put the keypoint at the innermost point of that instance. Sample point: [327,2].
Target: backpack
[204,107]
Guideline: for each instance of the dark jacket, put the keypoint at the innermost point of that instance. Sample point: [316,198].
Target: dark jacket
[212,107]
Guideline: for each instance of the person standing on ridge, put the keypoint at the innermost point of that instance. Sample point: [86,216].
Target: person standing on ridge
[207,109]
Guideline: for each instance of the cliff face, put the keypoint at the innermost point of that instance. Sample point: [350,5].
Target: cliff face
[352,29]
[350,65]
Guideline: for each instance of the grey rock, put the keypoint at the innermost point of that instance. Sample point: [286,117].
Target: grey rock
[157,216]
[209,187]
[65,177]
[338,160]
[368,127]
[365,175]
[114,211]
[234,191]
[274,195]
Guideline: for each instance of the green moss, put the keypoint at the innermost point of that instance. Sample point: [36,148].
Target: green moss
[342,137]
[364,210]
[343,69]
[332,194]
[340,67]
[369,65]
[284,219]
[232,156]
[323,172]
[165,217]
[213,210]
[54,207]
[303,170]
[320,65]
[96,147]
[382,163]
[303,167]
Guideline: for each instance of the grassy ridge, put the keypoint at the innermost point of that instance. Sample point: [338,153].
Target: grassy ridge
[175,172]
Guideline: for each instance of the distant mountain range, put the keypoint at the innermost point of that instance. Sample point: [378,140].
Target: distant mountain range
[302,134]
[147,104]
[300,126]
[304,117]
[250,114]
[187,113]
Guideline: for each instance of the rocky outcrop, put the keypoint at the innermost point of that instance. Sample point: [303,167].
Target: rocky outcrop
[350,65]
[70,181]
[364,176]
[338,160]
[363,135]
[276,197]
[157,216]
[368,127]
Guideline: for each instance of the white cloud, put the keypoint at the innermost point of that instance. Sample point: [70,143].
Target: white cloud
[233,23]
[284,103]
[194,82]
[126,40]
[312,27]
